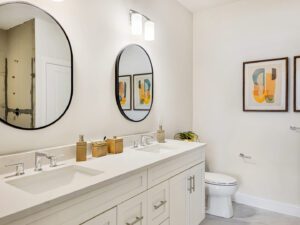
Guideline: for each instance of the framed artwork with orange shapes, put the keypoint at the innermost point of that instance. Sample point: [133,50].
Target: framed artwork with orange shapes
[265,85]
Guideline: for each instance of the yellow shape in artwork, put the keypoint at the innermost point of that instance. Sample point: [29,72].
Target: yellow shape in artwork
[264,85]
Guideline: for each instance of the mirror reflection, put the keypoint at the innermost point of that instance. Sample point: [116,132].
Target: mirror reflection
[134,83]
[35,67]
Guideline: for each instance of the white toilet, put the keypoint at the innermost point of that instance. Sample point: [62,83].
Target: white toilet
[219,190]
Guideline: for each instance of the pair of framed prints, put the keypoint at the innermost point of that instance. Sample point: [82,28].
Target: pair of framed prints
[265,85]
[137,92]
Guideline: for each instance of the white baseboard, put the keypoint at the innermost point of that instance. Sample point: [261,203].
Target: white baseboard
[275,206]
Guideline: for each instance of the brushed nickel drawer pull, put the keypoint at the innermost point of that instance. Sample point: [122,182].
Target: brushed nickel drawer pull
[190,189]
[194,184]
[161,203]
[138,219]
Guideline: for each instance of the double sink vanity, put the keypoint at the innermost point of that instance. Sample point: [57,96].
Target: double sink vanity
[152,184]
[149,185]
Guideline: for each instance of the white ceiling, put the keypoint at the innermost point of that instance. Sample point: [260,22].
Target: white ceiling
[198,5]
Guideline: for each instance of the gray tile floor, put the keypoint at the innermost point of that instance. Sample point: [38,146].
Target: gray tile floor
[245,215]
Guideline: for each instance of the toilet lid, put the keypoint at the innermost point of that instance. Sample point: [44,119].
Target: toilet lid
[219,179]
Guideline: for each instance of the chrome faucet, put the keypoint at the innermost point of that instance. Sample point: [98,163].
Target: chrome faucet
[38,160]
[19,169]
[145,140]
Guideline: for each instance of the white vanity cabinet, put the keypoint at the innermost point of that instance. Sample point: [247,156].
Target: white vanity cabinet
[107,218]
[187,197]
[168,192]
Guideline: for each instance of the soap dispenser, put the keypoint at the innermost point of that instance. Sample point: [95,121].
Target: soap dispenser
[160,135]
[81,149]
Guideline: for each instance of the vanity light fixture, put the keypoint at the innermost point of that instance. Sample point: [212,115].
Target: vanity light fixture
[136,20]
[149,31]
[136,23]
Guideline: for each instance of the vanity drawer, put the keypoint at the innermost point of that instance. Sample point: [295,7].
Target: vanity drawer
[133,211]
[87,206]
[172,167]
[158,204]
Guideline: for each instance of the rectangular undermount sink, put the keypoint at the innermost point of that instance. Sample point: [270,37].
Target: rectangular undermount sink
[51,180]
[158,148]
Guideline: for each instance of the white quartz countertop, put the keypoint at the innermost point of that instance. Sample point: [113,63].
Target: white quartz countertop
[15,203]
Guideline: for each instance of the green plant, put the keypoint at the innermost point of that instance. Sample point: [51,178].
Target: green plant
[189,136]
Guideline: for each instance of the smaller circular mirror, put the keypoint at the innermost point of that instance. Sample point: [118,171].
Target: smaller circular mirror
[134,83]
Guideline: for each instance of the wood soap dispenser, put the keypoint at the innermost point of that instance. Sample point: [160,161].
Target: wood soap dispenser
[81,149]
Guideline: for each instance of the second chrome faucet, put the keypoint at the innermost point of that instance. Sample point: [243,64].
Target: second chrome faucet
[38,161]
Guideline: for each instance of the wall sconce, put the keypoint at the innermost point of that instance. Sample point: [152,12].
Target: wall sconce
[136,19]
[136,24]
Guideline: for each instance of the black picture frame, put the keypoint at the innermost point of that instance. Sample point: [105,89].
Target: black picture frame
[135,76]
[72,69]
[117,72]
[295,83]
[130,92]
[286,59]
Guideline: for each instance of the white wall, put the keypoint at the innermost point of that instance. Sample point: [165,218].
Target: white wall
[224,38]
[98,30]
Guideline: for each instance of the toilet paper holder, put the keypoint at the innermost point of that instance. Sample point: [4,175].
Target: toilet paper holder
[294,128]
[242,155]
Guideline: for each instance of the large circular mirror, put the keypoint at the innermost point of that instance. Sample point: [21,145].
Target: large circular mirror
[134,83]
[36,67]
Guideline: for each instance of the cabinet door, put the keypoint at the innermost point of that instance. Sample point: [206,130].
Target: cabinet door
[179,196]
[108,218]
[133,211]
[158,204]
[197,197]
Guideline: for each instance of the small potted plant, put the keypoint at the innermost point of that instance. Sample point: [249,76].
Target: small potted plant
[187,136]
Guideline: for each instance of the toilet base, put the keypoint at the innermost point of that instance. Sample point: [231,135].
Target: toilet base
[219,206]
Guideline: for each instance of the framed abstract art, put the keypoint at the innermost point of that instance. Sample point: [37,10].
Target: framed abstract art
[265,85]
[125,92]
[142,92]
[297,84]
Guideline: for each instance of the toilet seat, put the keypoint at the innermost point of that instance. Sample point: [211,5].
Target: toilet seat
[219,179]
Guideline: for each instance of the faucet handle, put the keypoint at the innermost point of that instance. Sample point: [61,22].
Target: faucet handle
[135,144]
[53,161]
[19,168]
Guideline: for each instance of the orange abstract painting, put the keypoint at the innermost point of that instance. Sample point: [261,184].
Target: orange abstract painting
[266,85]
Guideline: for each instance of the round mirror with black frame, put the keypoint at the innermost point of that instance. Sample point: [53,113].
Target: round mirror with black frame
[134,83]
[36,67]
